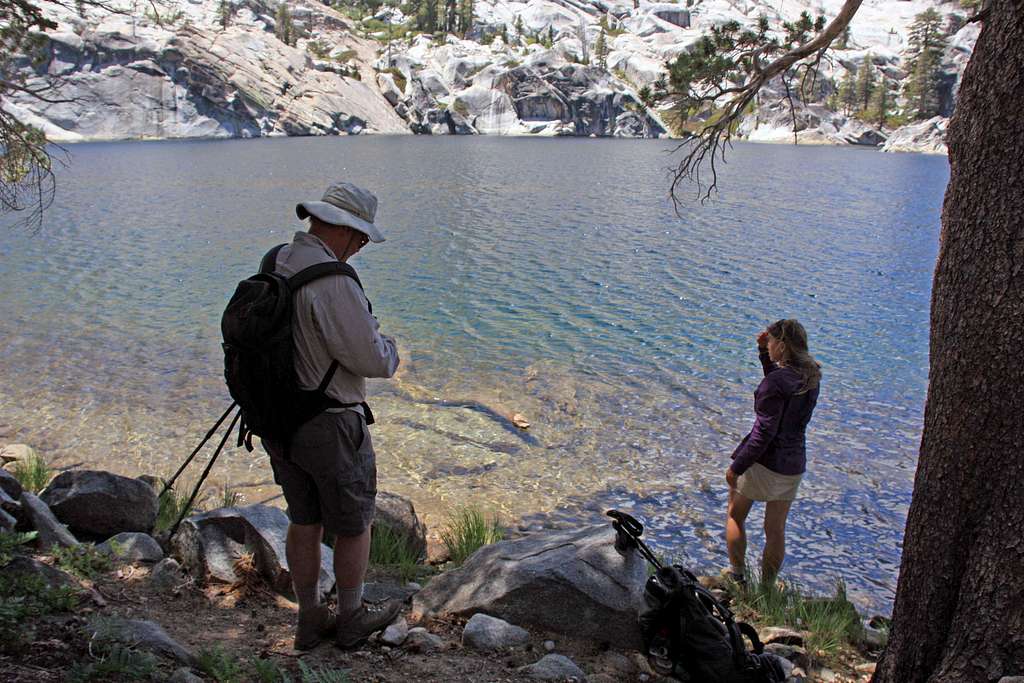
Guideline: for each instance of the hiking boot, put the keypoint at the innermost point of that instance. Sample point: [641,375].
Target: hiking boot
[315,624]
[369,618]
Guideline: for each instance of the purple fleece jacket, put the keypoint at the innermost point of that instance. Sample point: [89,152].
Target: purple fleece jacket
[777,439]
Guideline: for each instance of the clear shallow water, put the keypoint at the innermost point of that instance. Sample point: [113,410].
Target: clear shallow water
[545,277]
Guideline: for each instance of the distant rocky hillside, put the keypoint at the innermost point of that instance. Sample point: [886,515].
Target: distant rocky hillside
[246,68]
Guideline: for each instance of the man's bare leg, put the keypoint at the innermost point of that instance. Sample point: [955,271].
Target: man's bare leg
[735,532]
[351,556]
[302,548]
[775,514]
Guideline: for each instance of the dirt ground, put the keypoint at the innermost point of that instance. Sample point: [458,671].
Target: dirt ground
[250,622]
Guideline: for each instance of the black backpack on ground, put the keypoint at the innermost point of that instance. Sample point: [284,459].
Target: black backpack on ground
[695,637]
[687,633]
[259,364]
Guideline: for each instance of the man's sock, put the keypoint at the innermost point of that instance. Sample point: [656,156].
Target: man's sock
[350,599]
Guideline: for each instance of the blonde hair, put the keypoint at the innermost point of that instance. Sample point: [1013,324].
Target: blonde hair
[795,353]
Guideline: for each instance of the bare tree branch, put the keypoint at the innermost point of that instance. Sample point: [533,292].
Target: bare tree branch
[711,139]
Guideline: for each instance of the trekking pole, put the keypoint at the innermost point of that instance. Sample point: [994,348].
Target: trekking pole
[628,526]
[206,473]
[209,434]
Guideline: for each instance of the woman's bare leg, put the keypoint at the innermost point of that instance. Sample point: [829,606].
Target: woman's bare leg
[735,533]
[775,514]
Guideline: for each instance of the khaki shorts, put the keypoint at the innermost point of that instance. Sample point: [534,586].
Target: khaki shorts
[760,483]
[330,475]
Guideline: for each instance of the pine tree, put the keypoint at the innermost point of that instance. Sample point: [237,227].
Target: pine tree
[451,15]
[878,110]
[225,12]
[601,50]
[466,16]
[426,15]
[847,94]
[865,84]
[519,29]
[284,30]
[927,42]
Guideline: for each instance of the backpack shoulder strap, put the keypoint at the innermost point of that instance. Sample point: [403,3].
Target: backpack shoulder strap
[269,261]
[319,270]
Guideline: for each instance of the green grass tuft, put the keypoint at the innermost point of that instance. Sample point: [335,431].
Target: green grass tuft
[82,560]
[831,623]
[469,530]
[171,505]
[11,542]
[32,473]
[22,600]
[267,671]
[322,674]
[221,666]
[119,663]
[391,550]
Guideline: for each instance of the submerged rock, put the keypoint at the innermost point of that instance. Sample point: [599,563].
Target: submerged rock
[572,582]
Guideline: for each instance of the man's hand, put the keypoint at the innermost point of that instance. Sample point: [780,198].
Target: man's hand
[731,477]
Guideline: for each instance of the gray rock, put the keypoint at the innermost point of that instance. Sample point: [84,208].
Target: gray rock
[928,137]
[1012,679]
[777,634]
[184,675]
[396,633]
[375,591]
[13,452]
[484,632]
[132,547]
[421,640]
[210,543]
[166,574]
[793,653]
[873,638]
[554,668]
[565,581]
[617,665]
[7,520]
[549,646]
[10,484]
[398,513]
[856,132]
[23,565]
[39,516]
[101,503]
[145,635]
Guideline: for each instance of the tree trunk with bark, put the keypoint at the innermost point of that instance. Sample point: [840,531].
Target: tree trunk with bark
[959,611]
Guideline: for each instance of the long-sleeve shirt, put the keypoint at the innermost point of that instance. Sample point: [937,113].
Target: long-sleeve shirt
[777,440]
[333,322]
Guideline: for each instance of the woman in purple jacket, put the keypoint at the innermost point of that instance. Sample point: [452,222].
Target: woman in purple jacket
[770,461]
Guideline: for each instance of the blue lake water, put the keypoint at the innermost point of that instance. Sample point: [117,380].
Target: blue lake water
[550,278]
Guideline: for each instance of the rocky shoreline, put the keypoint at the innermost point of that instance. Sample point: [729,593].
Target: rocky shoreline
[212,603]
[525,69]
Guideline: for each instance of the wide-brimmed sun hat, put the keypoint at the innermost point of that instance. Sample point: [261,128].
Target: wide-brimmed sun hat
[345,204]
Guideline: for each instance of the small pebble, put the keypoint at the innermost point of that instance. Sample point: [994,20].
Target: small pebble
[549,645]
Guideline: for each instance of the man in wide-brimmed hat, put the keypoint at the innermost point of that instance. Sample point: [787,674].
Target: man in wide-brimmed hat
[328,472]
